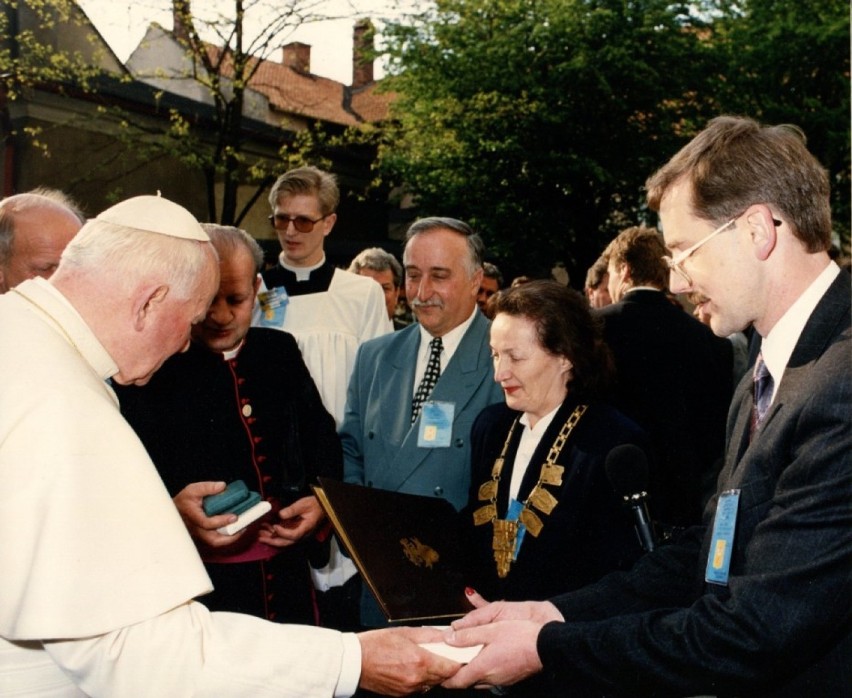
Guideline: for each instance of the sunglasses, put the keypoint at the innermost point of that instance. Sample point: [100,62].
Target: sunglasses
[302,224]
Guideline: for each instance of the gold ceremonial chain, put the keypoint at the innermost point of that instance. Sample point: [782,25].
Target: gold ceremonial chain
[505,531]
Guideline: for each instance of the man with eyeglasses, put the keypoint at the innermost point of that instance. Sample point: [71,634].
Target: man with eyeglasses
[757,600]
[674,377]
[329,311]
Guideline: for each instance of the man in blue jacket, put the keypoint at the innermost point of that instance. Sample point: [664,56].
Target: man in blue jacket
[414,394]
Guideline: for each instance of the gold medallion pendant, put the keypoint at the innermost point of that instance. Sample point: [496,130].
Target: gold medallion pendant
[505,538]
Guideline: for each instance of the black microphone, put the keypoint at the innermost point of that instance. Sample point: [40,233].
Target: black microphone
[627,470]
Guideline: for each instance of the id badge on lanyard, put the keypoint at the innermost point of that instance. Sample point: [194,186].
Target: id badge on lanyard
[722,542]
[273,306]
[436,424]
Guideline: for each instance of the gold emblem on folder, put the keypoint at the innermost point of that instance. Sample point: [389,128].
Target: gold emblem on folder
[419,553]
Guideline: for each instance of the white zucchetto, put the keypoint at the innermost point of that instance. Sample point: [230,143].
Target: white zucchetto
[154,214]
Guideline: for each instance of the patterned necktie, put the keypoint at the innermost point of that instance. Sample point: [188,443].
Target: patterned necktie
[430,377]
[763,386]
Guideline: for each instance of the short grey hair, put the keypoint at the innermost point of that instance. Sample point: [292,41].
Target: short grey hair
[226,239]
[475,245]
[377,259]
[491,271]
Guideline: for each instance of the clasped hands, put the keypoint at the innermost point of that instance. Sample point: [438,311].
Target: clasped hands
[392,662]
[294,521]
[507,631]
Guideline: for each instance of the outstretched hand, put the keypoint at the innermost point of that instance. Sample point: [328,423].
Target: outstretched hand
[394,664]
[485,612]
[508,655]
[508,632]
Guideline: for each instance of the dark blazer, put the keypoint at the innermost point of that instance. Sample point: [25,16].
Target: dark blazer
[589,533]
[258,418]
[674,380]
[781,626]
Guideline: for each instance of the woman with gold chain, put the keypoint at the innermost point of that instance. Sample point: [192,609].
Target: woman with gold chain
[546,519]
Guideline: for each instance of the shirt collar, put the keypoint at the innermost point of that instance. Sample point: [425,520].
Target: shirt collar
[778,345]
[542,424]
[451,340]
[302,273]
[233,353]
[643,288]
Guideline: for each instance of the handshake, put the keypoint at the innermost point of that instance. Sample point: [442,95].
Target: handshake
[493,645]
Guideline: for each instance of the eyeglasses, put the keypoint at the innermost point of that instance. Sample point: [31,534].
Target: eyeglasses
[302,224]
[675,264]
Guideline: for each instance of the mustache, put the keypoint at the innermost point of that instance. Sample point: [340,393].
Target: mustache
[417,303]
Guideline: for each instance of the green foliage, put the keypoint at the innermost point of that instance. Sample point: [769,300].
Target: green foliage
[31,55]
[28,52]
[539,121]
[789,63]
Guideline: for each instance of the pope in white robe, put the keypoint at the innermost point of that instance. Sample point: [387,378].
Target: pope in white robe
[98,571]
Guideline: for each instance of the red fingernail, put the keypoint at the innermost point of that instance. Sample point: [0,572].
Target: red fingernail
[469,591]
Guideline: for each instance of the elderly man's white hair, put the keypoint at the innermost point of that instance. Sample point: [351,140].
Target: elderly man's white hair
[141,236]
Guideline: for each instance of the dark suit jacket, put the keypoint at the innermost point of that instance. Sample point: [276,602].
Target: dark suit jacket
[589,533]
[674,380]
[257,418]
[781,627]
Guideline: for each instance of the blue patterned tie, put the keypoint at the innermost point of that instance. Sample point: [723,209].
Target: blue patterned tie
[430,377]
[763,386]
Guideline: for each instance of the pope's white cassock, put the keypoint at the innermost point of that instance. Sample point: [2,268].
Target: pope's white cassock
[97,572]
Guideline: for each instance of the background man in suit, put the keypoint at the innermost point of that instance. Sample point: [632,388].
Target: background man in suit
[381,266]
[492,281]
[597,284]
[756,602]
[390,442]
[673,376]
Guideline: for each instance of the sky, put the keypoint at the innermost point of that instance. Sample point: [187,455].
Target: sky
[123,23]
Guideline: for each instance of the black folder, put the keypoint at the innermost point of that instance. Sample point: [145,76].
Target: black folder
[407,548]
